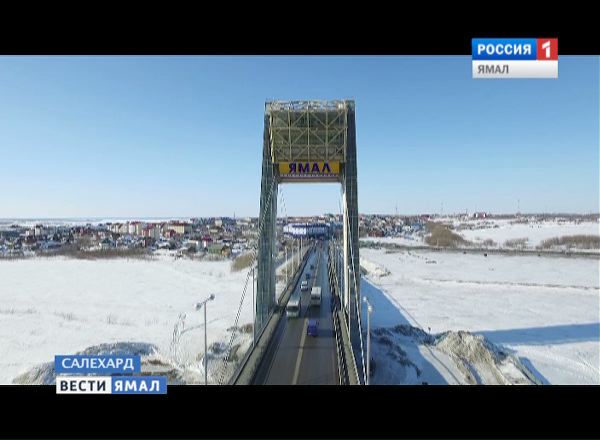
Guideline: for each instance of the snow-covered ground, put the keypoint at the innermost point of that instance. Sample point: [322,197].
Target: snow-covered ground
[501,230]
[535,232]
[58,305]
[409,240]
[52,306]
[544,310]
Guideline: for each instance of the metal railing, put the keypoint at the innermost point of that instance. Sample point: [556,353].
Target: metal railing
[347,375]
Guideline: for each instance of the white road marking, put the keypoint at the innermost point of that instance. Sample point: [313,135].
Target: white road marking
[299,358]
[303,339]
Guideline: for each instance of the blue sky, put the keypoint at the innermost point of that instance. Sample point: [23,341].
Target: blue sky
[182,136]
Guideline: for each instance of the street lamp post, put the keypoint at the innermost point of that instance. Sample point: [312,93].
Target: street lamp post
[198,307]
[370,310]
[253,311]
[286,266]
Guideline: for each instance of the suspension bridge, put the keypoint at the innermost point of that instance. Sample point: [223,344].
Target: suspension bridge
[305,142]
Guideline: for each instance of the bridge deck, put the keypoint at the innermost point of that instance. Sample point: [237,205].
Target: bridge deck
[294,357]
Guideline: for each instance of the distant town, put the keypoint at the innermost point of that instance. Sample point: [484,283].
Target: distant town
[222,237]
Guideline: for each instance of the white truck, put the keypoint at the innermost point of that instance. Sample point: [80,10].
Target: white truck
[315,296]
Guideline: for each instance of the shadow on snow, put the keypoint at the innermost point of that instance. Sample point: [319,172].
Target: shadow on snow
[389,315]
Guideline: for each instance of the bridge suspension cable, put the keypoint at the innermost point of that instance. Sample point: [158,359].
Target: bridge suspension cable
[239,311]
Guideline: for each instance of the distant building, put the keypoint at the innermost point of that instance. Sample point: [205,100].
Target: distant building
[219,248]
[206,241]
[180,227]
[139,227]
[151,231]
[306,229]
[132,228]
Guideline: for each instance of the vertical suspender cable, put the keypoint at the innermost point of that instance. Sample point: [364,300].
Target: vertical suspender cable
[237,318]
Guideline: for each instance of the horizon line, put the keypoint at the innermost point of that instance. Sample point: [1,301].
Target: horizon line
[297,215]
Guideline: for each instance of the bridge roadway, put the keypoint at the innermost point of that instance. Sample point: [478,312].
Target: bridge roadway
[293,357]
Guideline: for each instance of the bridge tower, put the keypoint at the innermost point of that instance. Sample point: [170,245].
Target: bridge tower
[307,142]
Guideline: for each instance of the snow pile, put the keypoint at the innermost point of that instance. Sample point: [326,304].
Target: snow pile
[481,362]
[373,269]
[396,357]
[409,356]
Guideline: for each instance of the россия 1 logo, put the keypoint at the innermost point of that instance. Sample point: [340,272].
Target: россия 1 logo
[515,57]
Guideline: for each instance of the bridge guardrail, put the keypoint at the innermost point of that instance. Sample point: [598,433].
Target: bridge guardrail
[347,371]
[341,359]
[351,367]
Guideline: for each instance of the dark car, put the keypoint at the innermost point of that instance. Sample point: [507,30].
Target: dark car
[312,329]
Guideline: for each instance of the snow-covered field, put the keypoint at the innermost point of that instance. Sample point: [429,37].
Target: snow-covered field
[411,240]
[545,310]
[535,232]
[52,306]
[500,230]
